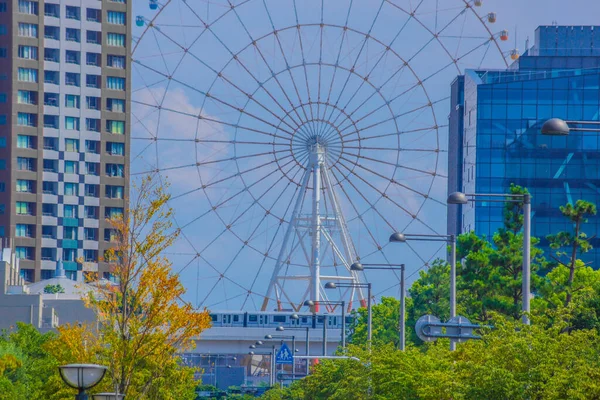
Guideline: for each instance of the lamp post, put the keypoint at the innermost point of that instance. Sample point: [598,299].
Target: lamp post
[260,343]
[525,199]
[82,377]
[270,337]
[342,303]
[307,344]
[333,285]
[108,396]
[559,127]
[451,239]
[391,267]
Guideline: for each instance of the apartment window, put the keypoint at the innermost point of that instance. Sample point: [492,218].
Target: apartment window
[114,61]
[113,212]
[110,235]
[49,187]
[49,210]
[91,168]
[72,12]
[3,29]
[115,105]
[3,8]
[72,144]
[115,83]
[70,232]
[92,59]
[71,124]
[50,165]
[52,10]
[91,190]
[92,124]
[52,55]
[93,14]
[90,255]
[119,1]
[27,52]
[26,274]
[115,149]
[3,139]
[25,186]
[27,97]
[51,32]
[93,37]
[26,119]
[3,52]
[114,192]
[72,79]
[93,103]
[2,97]
[28,7]
[71,189]
[114,170]
[52,77]
[51,121]
[90,212]
[48,255]
[69,254]
[24,208]
[25,164]
[24,253]
[25,142]
[90,233]
[28,30]
[72,57]
[71,167]
[116,17]
[92,81]
[115,39]
[91,146]
[70,211]
[50,143]
[115,127]
[73,35]
[28,75]
[24,230]
[51,99]
[72,101]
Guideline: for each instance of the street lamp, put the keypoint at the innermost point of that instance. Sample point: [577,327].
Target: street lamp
[525,199]
[82,377]
[391,267]
[341,303]
[399,237]
[559,127]
[358,285]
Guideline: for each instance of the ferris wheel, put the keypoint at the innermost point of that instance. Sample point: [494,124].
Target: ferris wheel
[298,134]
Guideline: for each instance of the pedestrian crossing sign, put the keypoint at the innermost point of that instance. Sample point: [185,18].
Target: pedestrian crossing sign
[284,355]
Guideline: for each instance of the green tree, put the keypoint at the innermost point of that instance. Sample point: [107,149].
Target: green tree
[573,243]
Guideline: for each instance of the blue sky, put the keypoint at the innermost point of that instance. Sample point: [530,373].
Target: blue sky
[218,127]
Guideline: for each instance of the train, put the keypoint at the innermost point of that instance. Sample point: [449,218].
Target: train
[273,319]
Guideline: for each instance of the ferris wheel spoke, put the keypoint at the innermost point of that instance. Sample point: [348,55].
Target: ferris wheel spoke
[208,95]
[209,119]
[362,46]
[273,74]
[362,139]
[224,78]
[392,181]
[312,117]
[391,164]
[383,121]
[354,207]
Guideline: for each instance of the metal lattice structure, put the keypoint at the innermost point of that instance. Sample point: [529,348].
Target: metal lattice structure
[298,134]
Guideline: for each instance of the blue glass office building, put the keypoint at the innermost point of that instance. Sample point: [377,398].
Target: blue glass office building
[495,138]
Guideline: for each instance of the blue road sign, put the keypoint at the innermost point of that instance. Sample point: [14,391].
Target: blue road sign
[284,355]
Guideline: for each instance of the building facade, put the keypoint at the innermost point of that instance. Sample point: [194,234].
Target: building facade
[64,128]
[495,138]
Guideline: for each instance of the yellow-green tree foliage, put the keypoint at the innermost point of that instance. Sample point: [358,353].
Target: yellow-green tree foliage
[142,321]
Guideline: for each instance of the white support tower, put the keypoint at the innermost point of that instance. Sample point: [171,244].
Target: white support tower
[325,227]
